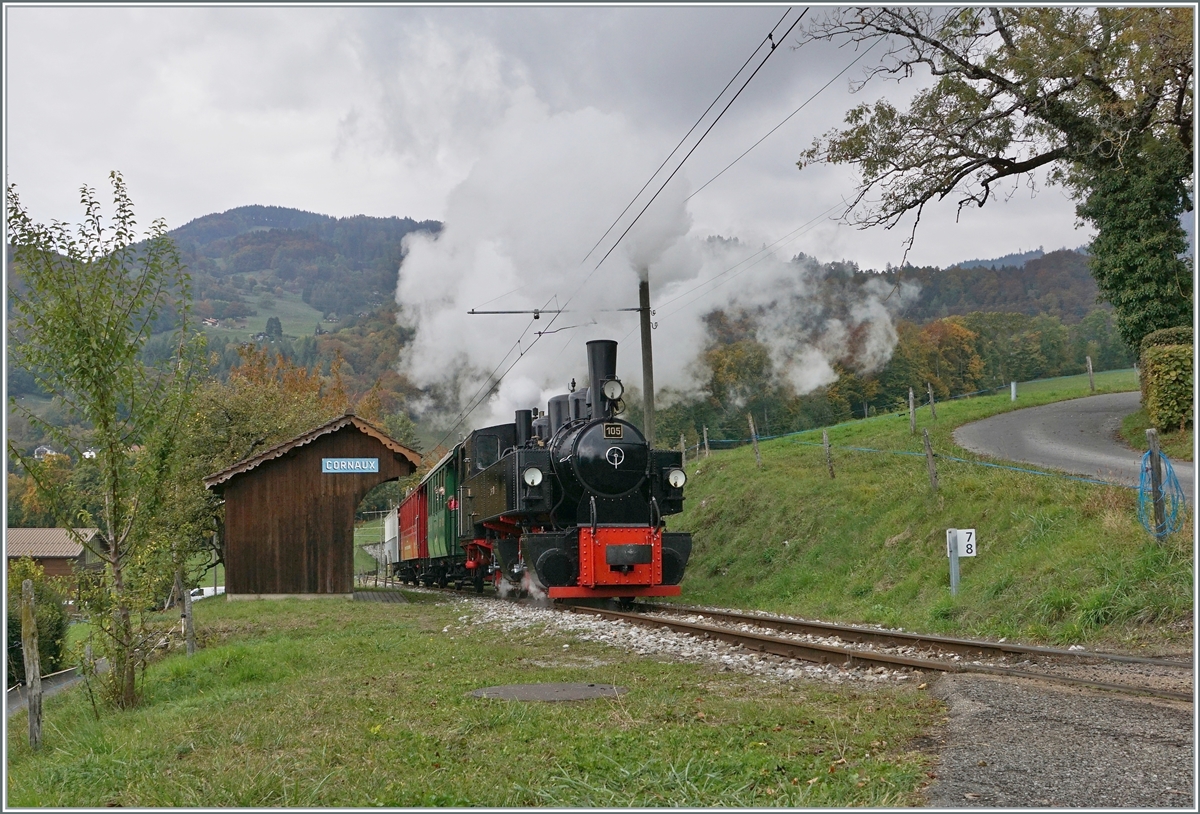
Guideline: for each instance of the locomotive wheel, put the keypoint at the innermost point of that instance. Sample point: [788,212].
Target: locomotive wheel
[441,580]
[479,584]
[625,603]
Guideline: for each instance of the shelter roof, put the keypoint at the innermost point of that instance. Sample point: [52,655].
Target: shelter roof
[45,543]
[329,427]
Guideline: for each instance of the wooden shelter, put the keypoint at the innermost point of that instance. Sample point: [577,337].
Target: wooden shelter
[60,553]
[289,511]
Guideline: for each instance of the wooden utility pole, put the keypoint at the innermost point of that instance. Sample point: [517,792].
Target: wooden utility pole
[647,358]
[706,442]
[1091,376]
[932,406]
[682,451]
[912,413]
[828,457]
[33,665]
[933,480]
[1156,484]
[754,440]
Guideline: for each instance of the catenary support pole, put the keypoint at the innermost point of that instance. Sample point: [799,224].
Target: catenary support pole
[647,358]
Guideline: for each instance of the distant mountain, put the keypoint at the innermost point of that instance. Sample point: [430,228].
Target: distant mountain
[1016,260]
[336,265]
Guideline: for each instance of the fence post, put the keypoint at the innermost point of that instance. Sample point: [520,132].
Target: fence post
[706,442]
[1156,484]
[33,665]
[929,461]
[932,406]
[1013,391]
[1091,376]
[754,440]
[828,458]
[682,452]
[189,628]
[912,414]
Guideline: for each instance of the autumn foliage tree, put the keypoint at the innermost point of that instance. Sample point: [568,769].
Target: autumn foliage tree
[1099,99]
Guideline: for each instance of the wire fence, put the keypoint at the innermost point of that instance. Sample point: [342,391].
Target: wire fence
[698,448]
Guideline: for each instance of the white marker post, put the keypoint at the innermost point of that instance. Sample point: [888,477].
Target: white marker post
[952,553]
[959,543]
[1013,387]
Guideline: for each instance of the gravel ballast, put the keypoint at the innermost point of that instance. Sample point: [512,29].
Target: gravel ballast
[1006,743]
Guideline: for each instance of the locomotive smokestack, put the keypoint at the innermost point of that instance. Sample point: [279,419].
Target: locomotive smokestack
[602,366]
[524,426]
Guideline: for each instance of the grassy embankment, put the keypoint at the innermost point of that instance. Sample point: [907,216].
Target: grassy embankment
[335,703]
[1175,444]
[1060,560]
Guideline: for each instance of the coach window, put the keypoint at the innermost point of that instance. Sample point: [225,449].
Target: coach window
[487,450]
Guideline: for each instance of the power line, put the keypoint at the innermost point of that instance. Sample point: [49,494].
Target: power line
[738,73]
[782,123]
[774,45]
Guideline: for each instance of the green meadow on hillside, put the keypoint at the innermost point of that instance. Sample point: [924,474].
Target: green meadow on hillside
[1059,560]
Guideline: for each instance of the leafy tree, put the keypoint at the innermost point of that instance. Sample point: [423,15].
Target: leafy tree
[1100,97]
[49,613]
[85,306]
[274,328]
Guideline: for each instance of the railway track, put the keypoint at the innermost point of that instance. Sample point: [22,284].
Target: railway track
[855,646]
[850,646]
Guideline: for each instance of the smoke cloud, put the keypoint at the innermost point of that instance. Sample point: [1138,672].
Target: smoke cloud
[543,187]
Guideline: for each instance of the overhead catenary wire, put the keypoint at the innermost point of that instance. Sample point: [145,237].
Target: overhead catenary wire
[766,39]
[774,45]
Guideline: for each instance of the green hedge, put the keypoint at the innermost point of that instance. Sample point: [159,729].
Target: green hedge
[1167,381]
[1181,335]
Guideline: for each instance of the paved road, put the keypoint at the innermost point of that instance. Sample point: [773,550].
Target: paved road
[1078,436]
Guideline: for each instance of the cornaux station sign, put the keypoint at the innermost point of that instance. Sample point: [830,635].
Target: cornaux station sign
[348,466]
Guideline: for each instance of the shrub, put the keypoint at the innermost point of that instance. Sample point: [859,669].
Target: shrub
[1167,377]
[50,615]
[1180,335]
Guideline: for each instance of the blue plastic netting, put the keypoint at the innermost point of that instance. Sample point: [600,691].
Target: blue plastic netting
[1172,497]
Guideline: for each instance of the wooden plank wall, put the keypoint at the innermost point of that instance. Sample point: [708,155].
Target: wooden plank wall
[289,529]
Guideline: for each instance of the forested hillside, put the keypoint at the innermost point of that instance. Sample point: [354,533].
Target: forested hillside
[319,291]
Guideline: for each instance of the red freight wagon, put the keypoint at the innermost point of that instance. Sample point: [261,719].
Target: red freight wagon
[414,541]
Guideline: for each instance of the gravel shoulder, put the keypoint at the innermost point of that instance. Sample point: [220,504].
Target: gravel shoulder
[1011,744]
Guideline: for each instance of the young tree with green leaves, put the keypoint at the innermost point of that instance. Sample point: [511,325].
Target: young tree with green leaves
[1098,98]
[84,303]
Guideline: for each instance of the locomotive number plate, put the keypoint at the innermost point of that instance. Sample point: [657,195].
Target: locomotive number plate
[614,430]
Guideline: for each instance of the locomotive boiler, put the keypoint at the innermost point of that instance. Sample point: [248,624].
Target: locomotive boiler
[570,501]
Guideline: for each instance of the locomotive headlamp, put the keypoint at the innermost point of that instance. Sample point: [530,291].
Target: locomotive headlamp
[676,478]
[532,476]
[612,389]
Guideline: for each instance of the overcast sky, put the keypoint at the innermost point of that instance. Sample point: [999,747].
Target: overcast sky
[387,110]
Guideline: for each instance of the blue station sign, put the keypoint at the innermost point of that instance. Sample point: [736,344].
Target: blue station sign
[349,466]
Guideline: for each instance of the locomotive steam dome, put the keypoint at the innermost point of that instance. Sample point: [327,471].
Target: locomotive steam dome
[609,457]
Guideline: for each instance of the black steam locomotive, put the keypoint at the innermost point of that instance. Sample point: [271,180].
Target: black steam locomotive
[571,501]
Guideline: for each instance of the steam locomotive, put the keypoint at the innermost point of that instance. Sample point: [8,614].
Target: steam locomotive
[571,502]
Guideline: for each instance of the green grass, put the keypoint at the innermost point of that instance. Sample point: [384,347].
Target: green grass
[1175,444]
[336,703]
[1059,560]
[296,317]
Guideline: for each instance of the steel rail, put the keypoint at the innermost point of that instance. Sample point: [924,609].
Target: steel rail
[897,638]
[830,654]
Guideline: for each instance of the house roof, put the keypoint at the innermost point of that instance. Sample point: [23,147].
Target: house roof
[279,450]
[45,543]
